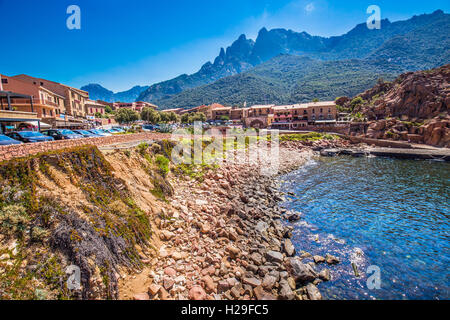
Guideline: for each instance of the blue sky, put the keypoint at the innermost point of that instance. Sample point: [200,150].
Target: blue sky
[123,43]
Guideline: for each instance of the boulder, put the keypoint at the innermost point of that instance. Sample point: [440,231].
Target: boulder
[313,292]
[153,289]
[141,296]
[269,282]
[331,259]
[261,294]
[257,258]
[223,286]
[318,259]
[292,217]
[274,256]
[168,283]
[233,251]
[325,275]
[197,293]
[285,292]
[251,281]
[288,247]
[299,271]
[166,235]
[170,271]
[210,286]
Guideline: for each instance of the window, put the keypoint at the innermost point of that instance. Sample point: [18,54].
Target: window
[42,83]
[5,81]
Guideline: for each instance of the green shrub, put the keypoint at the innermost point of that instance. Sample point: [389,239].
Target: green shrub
[14,220]
[142,148]
[357,102]
[155,148]
[163,164]
[307,137]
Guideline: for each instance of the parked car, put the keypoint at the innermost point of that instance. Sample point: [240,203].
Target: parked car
[6,141]
[148,127]
[112,131]
[106,132]
[61,134]
[118,129]
[86,134]
[100,133]
[29,136]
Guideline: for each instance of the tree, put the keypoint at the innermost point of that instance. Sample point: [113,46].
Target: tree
[150,115]
[199,116]
[98,115]
[172,117]
[164,117]
[193,117]
[356,102]
[108,109]
[315,100]
[126,115]
[185,118]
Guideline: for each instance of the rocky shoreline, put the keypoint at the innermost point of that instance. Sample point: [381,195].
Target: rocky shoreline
[227,238]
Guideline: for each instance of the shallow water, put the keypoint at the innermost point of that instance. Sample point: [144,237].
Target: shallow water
[393,214]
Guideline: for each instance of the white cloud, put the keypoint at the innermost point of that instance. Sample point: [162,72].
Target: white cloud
[310,7]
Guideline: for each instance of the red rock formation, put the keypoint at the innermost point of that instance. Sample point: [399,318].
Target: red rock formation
[415,108]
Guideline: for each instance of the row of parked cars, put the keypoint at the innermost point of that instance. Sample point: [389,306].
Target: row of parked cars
[19,137]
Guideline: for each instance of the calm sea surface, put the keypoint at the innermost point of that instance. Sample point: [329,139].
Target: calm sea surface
[393,214]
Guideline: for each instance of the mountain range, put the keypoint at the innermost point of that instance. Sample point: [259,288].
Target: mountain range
[284,66]
[97,92]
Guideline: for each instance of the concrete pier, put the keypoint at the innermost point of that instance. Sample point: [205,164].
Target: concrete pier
[422,154]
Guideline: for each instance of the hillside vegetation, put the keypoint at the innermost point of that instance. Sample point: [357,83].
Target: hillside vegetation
[283,80]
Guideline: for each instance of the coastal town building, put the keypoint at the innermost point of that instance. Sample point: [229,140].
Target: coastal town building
[124,105]
[11,119]
[45,103]
[304,116]
[220,113]
[178,111]
[94,108]
[135,106]
[207,110]
[258,116]
[289,117]
[139,105]
[74,99]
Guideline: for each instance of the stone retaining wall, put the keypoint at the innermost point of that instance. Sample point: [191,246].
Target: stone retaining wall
[339,128]
[381,143]
[23,150]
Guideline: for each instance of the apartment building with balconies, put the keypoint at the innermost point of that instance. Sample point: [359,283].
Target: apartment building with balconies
[74,99]
[45,103]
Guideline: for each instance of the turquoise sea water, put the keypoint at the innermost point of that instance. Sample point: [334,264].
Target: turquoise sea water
[393,214]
